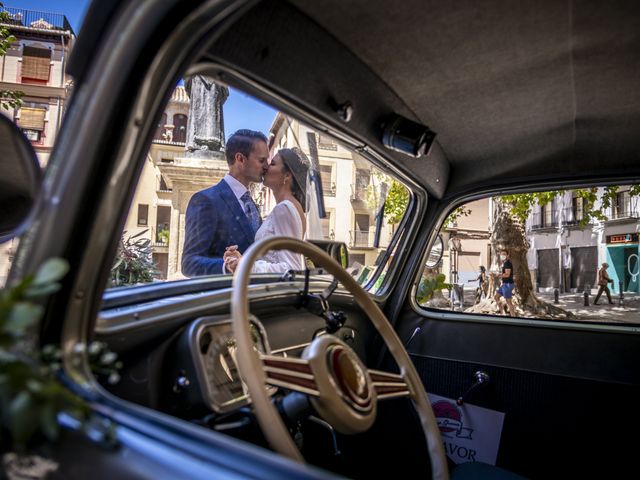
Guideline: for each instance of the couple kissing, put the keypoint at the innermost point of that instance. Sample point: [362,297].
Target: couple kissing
[222,221]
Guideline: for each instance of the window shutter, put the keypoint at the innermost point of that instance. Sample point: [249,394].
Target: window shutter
[36,63]
[32,118]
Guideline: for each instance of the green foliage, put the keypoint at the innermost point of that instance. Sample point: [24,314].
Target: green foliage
[163,236]
[521,204]
[461,211]
[8,98]
[134,262]
[30,395]
[430,285]
[396,204]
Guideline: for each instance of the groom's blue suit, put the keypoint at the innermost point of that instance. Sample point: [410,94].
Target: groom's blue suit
[214,221]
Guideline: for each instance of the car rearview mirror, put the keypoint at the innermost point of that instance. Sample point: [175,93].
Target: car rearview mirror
[20,179]
[435,255]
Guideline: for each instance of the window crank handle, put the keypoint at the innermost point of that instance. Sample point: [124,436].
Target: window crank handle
[480,378]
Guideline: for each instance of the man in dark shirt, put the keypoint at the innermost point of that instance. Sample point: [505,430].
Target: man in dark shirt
[506,289]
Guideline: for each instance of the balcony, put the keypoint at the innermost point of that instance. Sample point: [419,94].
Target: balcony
[627,209]
[160,237]
[36,19]
[572,216]
[329,235]
[358,192]
[361,238]
[162,186]
[329,189]
[540,221]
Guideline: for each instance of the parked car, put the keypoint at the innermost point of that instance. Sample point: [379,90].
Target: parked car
[325,373]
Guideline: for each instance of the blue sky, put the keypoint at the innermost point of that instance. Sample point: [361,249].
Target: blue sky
[240,110]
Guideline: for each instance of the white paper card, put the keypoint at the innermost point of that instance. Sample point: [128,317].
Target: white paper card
[470,433]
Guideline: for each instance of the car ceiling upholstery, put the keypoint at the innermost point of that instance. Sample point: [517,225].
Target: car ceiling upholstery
[517,92]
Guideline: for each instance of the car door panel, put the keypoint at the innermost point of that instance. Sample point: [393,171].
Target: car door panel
[579,383]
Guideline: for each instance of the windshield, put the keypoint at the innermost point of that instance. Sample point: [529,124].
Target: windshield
[225,170]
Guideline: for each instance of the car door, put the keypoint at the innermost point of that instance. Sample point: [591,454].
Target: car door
[554,379]
[121,440]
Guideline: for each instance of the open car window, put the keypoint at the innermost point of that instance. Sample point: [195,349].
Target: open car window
[568,255]
[211,145]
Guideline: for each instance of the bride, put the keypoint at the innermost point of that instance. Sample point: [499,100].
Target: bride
[287,179]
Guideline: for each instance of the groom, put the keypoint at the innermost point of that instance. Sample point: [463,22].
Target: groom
[225,214]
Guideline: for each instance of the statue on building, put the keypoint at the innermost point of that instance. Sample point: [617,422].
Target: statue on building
[205,125]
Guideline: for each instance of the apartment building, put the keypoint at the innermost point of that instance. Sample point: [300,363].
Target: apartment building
[349,185]
[565,255]
[467,244]
[35,66]
[166,184]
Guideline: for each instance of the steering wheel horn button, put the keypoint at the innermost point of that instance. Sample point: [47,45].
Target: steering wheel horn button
[347,398]
[350,377]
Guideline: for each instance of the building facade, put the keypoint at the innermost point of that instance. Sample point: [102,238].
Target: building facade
[349,184]
[566,255]
[467,244]
[166,184]
[35,66]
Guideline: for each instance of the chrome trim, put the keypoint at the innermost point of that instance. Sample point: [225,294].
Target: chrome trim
[389,396]
[390,384]
[286,367]
[390,380]
[196,329]
[294,387]
[289,373]
[389,375]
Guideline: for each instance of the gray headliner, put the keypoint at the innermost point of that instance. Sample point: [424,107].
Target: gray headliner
[528,91]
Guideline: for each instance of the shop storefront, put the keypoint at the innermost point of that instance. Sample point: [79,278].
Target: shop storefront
[622,255]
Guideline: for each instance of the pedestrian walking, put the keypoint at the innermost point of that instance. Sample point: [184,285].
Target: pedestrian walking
[506,289]
[603,282]
[483,284]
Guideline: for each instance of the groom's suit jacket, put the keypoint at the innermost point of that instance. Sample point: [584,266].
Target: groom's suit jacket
[214,221]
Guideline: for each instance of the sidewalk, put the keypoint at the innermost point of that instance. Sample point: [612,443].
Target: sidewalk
[628,312]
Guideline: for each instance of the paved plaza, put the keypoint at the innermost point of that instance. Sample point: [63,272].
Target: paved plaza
[627,312]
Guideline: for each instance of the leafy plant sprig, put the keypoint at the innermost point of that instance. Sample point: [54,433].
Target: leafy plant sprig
[31,397]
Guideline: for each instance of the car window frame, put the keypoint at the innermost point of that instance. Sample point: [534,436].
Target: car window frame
[449,205]
[407,227]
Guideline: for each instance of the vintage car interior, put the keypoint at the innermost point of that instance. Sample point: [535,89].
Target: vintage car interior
[252,376]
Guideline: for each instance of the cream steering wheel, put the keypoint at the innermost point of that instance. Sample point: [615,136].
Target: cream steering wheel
[341,389]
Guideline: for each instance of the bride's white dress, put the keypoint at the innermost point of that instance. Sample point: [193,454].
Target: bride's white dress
[284,220]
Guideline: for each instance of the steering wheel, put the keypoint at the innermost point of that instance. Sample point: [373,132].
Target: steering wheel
[341,389]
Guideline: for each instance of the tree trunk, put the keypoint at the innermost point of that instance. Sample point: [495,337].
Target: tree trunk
[508,233]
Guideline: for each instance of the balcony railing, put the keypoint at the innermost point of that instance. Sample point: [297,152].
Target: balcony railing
[361,238]
[358,192]
[37,19]
[572,216]
[329,189]
[629,208]
[329,236]
[160,237]
[540,220]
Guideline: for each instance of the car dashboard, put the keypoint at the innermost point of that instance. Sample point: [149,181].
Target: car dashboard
[179,352]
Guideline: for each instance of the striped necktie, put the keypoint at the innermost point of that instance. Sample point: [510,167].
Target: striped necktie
[251,211]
